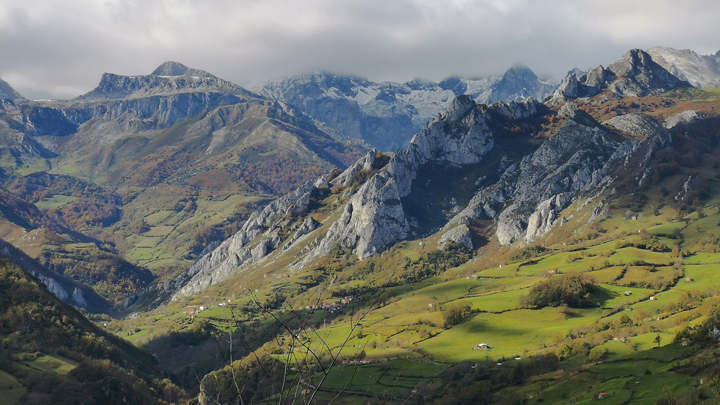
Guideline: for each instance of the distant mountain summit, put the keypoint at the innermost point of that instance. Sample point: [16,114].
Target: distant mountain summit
[517,84]
[387,115]
[7,92]
[699,70]
[634,75]
[171,68]
[179,137]
[168,78]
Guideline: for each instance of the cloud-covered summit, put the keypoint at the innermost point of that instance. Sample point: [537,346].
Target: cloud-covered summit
[58,49]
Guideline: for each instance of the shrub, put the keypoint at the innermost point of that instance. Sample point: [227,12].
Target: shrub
[456,313]
[572,289]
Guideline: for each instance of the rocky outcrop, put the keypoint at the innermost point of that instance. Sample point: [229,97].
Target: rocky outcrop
[681,118]
[459,235]
[639,125]
[307,226]
[528,198]
[349,175]
[634,75]
[61,287]
[374,218]
[259,236]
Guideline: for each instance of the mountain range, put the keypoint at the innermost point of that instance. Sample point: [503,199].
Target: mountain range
[327,236]
[386,115]
[158,160]
[519,172]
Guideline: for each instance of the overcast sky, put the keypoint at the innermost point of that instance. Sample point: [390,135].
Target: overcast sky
[59,49]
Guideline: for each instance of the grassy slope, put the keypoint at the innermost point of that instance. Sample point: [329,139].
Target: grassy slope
[670,289]
[406,325]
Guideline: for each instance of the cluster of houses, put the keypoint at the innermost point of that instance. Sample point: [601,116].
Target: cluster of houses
[332,306]
[364,361]
[193,310]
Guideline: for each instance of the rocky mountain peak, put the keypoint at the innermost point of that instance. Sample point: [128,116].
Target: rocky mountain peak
[460,107]
[170,78]
[635,74]
[454,84]
[519,70]
[7,92]
[518,83]
[633,61]
[170,68]
[576,71]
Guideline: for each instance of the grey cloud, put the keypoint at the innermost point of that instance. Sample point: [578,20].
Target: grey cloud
[60,49]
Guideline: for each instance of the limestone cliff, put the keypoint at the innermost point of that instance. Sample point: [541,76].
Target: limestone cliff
[634,75]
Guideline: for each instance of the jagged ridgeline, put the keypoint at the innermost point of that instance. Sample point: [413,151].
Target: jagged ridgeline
[140,130]
[473,172]
[516,165]
[387,115]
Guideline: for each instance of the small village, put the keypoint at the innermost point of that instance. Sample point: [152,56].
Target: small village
[330,306]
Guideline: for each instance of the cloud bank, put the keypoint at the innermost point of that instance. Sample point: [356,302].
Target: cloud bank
[59,49]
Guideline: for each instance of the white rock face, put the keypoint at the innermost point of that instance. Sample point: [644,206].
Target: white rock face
[699,70]
[635,124]
[237,252]
[683,117]
[78,298]
[57,285]
[374,218]
[460,235]
[528,198]
[54,287]
[543,218]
